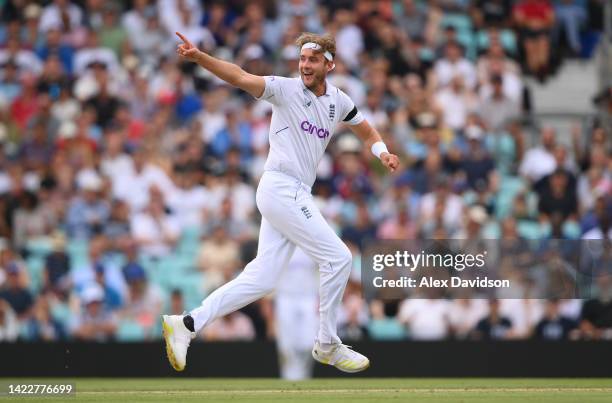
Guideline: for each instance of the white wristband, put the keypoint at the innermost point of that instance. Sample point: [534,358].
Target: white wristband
[378,148]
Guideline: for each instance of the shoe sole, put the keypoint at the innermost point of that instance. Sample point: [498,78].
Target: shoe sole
[349,371]
[352,371]
[167,331]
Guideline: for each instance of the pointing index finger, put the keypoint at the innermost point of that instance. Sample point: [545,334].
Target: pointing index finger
[184,39]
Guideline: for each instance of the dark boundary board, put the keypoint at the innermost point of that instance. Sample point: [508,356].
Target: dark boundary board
[259,359]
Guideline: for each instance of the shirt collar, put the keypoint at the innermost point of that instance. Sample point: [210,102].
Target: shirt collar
[328,87]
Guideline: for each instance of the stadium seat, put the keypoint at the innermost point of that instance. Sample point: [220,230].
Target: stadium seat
[461,22]
[509,187]
[78,250]
[386,329]
[531,230]
[491,230]
[39,246]
[571,230]
[507,38]
[503,148]
[35,266]
[129,331]
[191,286]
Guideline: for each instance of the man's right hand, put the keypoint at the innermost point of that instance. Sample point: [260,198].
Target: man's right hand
[228,72]
[186,50]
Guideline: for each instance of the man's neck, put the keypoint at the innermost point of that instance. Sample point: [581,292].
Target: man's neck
[320,89]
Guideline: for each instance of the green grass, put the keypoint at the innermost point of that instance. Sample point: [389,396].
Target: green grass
[331,390]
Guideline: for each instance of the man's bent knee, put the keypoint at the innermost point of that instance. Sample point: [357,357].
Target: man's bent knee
[343,259]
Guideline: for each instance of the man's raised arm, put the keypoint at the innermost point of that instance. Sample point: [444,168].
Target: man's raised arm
[228,72]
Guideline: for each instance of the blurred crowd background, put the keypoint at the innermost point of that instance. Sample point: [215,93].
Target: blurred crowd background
[127,178]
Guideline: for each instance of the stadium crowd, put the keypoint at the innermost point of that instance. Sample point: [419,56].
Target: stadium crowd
[127,179]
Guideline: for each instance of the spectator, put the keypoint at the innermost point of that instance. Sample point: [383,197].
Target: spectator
[497,109]
[144,302]
[37,150]
[189,200]
[412,19]
[87,212]
[535,19]
[94,55]
[597,180]
[494,326]
[112,34]
[42,326]
[15,292]
[559,197]
[491,12]
[9,325]
[363,230]
[464,315]
[134,187]
[117,228]
[95,323]
[596,140]
[440,208]
[112,296]
[495,62]
[476,218]
[399,226]
[97,266]
[217,255]
[477,165]
[563,164]
[597,223]
[570,16]
[426,319]
[554,326]
[104,101]
[60,14]
[454,64]
[155,230]
[24,58]
[31,221]
[353,327]
[10,85]
[233,327]
[55,46]
[57,263]
[151,44]
[596,317]
[457,102]
[540,161]
[25,104]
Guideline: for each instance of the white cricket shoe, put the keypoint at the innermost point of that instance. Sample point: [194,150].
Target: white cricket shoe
[342,357]
[177,338]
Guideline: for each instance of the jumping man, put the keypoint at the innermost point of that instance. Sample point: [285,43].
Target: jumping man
[306,110]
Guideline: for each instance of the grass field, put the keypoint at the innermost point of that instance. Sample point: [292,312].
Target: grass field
[334,390]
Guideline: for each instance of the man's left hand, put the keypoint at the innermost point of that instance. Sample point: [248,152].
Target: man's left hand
[390,161]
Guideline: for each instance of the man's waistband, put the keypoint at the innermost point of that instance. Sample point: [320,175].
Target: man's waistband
[285,175]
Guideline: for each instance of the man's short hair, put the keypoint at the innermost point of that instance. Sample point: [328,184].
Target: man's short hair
[326,41]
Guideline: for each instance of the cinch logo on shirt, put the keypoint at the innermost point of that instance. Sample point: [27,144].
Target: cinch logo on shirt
[312,129]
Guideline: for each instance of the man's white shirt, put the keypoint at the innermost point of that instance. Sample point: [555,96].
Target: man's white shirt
[303,124]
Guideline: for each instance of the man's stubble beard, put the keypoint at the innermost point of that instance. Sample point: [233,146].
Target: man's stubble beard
[319,78]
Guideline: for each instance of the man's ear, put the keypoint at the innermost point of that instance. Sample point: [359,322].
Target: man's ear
[330,66]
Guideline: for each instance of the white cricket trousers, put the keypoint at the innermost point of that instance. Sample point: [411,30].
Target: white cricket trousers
[289,218]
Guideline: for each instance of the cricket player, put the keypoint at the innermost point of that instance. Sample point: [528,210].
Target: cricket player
[305,111]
